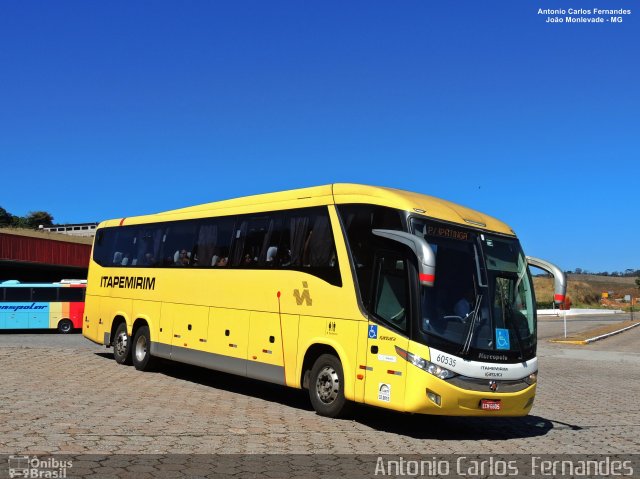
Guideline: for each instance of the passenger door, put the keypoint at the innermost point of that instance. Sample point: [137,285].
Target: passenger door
[391,307]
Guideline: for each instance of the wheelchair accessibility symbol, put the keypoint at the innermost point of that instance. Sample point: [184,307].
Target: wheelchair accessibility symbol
[373,331]
[502,339]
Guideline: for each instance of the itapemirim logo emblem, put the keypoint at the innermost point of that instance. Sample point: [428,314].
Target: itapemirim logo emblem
[304,297]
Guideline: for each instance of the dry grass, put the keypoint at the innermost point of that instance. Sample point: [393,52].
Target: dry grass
[599,331]
[584,289]
[578,291]
[622,281]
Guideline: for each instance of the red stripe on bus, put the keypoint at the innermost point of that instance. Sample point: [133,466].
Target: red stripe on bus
[122,221]
[76,312]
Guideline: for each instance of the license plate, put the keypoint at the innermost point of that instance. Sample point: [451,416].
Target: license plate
[490,405]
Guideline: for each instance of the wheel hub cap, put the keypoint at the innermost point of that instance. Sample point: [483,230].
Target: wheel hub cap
[121,343]
[327,385]
[141,348]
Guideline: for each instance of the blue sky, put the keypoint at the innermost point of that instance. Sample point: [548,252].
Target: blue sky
[112,109]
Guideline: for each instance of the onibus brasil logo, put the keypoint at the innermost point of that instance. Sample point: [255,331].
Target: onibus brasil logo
[34,467]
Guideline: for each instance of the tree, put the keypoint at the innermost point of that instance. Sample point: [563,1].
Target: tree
[36,218]
[638,282]
[18,221]
[5,217]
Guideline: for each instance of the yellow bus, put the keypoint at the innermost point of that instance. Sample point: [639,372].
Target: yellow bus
[357,293]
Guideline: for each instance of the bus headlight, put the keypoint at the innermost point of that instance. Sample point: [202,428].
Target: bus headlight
[531,378]
[428,366]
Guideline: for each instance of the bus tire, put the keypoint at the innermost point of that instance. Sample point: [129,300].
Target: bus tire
[326,387]
[65,326]
[122,345]
[141,350]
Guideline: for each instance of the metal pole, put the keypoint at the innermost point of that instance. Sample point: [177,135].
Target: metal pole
[564,317]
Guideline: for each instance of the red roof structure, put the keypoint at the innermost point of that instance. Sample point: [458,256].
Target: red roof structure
[26,246]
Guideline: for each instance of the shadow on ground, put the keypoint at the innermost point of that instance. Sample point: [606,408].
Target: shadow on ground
[415,426]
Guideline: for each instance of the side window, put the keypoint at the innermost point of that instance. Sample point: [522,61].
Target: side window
[71,294]
[319,248]
[44,295]
[275,251]
[390,299]
[298,236]
[104,246]
[179,243]
[358,221]
[124,249]
[148,242]
[18,294]
[311,239]
[307,244]
[300,239]
[251,241]
[283,254]
[214,242]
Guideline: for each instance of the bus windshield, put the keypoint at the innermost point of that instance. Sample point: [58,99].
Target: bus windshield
[481,305]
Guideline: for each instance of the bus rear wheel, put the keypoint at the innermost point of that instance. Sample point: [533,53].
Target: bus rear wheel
[142,359]
[122,345]
[326,387]
[65,326]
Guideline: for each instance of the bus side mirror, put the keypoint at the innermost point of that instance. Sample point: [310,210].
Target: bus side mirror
[420,247]
[559,278]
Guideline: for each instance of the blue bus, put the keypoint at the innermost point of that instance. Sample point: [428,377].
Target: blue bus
[42,305]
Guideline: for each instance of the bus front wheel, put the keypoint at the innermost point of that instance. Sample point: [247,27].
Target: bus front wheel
[65,326]
[326,387]
[122,345]
[142,359]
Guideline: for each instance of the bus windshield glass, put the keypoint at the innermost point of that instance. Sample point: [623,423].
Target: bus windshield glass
[481,306]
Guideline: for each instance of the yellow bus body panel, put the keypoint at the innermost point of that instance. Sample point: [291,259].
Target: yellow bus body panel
[229,332]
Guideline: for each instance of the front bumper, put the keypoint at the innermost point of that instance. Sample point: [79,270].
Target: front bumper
[456,401]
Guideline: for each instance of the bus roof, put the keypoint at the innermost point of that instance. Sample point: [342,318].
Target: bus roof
[337,193]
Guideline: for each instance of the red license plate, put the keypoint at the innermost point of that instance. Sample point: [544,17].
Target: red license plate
[490,405]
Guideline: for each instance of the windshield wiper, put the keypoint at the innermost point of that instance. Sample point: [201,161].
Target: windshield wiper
[472,323]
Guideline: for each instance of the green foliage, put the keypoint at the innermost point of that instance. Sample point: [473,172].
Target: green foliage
[18,221]
[33,220]
[638,282]
[5,217]
[36,218]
